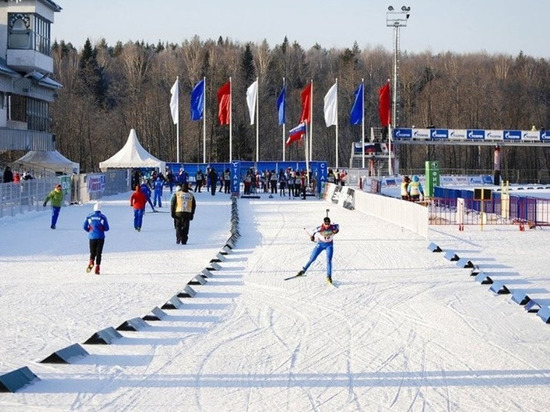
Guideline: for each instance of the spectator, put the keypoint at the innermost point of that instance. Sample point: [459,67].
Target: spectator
[415,189]
[273,181]
[55,197]
[96,225]
[8,175]
[405,187]
[199,180]
[282,183]
[171,179]
[227,181]
[343,177]
[183,176]
[213,177]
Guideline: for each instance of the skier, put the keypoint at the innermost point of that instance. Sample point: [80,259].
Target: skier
[96,225]
[324,235]
[138,200]
[158,185]
[56,199]
[182,207]
[146,190]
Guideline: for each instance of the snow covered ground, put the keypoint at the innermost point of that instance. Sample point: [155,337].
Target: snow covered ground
[405,329]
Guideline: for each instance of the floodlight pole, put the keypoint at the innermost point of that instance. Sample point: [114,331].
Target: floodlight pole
[395,19]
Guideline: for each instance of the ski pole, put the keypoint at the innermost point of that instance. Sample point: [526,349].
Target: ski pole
[307,232]
[328,210]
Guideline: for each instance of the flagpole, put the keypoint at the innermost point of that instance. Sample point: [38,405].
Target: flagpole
[257,120]
[363,123]
[284,124]
[204,123]
[230,122]
[306,152]
[390,126]
[336,128]
[311,122]
[178,122]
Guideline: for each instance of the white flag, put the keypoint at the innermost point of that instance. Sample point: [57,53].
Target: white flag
[331,106]
[174,102]
[251,95]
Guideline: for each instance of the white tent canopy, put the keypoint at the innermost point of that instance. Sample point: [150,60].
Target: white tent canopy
[51,161]
[132,155]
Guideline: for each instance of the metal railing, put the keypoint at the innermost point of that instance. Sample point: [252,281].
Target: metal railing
[24,196]
[516,210]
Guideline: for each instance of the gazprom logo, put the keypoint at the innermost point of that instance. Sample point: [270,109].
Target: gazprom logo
[512,135]
[402,133]
[439,134]
[475,134]
[545,135]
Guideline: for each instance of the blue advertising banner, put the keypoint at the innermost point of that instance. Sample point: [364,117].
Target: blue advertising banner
[475,134]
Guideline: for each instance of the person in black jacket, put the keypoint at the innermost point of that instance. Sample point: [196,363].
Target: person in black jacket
[213,175]
[8,175]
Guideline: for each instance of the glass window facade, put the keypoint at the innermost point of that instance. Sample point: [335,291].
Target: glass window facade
[27,31]
[36,113]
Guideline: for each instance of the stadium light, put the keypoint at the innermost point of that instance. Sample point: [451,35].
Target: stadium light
[396,19]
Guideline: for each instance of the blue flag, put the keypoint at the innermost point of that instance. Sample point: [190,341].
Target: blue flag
[356,115]
[197,101]
[281,106]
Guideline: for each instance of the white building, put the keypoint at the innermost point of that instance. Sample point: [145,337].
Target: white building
[26,86]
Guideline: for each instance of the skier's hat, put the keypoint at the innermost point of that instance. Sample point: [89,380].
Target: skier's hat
[326,219]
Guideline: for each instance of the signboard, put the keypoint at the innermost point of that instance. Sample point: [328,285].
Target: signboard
[437,134]
[475,134]
[432,177]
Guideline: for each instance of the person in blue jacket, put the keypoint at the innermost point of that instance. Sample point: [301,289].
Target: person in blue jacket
[324,236]
[146,190]
[96,225]
[157,186]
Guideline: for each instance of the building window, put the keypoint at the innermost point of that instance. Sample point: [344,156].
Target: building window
[19,31]
[36,113]
[29,32]
[18,108]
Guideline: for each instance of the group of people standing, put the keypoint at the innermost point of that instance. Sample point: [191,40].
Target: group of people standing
[211,179]
[9,176]
[268,181]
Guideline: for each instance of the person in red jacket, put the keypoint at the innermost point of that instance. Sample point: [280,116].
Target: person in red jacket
[138,200]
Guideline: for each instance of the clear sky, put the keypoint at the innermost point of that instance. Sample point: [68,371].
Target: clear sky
[461,26]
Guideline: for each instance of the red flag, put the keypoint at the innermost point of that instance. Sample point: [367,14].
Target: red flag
[384,104]
[224,103]
[306,104]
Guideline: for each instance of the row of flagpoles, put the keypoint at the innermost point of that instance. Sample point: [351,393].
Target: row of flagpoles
[305,126]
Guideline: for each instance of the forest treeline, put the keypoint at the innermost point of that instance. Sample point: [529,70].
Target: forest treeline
[108,90]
